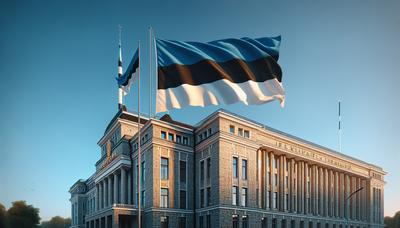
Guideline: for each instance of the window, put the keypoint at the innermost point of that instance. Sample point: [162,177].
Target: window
[245,221]
[244,197]
[208,196]
[205,134]
[246,134]
[202,172]
[143,174]
[235,195]
[232,129]
[164,221]
[200,137]
[163,134]
[164,168]
[268,199]
[264,222]
[209,131]
[287,166]
[235,221]
[143,198]
[170,137]
[164,197]
[202,198]
[178,139]
[235,167]
[201,225]
[287,202]
[185,141]
[182,171]
[182,199]
[276,179]
[208,217]
[244,169]
[240,132]
[208,168]
[182,222]
[274,200]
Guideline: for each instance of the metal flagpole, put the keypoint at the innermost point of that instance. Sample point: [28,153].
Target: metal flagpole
[150,69]
[156,63]
[340,132]
[139,151]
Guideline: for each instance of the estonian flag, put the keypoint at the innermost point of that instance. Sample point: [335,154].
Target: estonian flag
[218,72]
[126,80]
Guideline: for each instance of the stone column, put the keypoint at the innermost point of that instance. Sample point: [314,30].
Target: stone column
[123,186]
[97,197]
[336,194]
[281,182]
[292,184]
[326,190]
[109,190]
[306,190]
[115,188]
[104,192]
[272,186]
[313,189]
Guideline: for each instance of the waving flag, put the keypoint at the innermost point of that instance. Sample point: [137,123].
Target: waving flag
[218,72]
[125,81]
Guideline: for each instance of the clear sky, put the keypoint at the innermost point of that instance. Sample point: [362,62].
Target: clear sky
[59,63]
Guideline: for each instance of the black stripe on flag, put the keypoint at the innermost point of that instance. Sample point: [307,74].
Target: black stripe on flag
[207,71]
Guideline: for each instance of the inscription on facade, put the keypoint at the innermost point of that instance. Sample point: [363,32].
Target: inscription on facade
[310,154]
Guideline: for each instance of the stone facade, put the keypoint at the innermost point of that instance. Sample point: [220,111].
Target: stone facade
[226,171]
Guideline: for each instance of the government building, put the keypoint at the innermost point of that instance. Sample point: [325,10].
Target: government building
[225,171]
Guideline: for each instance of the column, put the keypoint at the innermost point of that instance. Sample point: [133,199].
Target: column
[330,194]
[292,185]
[341,195]
[281,175]
[317,190]
[129,188]
[346,194]
[109,190]
[298,171]
[104,193]
[115,188]
[326,190]
[272,177]
[336,194]
[123,186]
[306,190]
[313,189]
[97,197]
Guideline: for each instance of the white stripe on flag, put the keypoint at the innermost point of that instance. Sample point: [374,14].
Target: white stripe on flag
[220,92]
[127,88]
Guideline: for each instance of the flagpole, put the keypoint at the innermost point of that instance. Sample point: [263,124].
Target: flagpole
[156,63]
[340,131]
[139,151]
[150,69]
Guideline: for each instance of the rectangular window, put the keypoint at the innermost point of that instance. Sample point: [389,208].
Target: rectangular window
[164,197]
[208,217]
[244,169]
[246,134]
[244,197]
[232,129]
[143,198]
[205,134]
[235,221]
[164,222]
[202,172]
[245,221]
[208,196]
[240,132]
[200,137]
[178,139]
[185,141]
[182,171]
[235,195]
[182,222]
[170,137]
[164,168]
[235,167]
[143,174]
[201,223]
[163,134]
[209,131]
[208,171]
[276,179]
[182,199]
[287,202]
[202,198]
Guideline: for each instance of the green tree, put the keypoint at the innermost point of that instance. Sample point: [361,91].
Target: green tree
[22,215]
[3,214]
[57,222]
[393,222]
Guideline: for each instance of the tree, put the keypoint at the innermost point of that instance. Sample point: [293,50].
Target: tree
[57,222]
[22,215]
[3,214]
[393,222]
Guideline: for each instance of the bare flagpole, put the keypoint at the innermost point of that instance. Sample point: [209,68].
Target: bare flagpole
[150,70]
[340,131]
[139,151]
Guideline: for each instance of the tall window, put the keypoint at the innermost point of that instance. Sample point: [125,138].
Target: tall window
[182,222]
[202,172]
[244,197]
[235,167]
[164,221]
[182,199]
[185,140]
[202,198]
[208,168]
[164,197]
[208,217]
[246,134]
[235,195]
[240,132]
[208,196]
[143,198]
[232,129]
[163,134]
[164,168]
[178,139]
[143,167]
[182,171]
[245,221]
[201,222]
[244,169]
[235,221]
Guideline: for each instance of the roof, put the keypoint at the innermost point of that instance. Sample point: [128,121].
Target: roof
[167,118]
[124,114]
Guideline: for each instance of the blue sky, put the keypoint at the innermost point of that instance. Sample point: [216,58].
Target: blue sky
[59,62]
